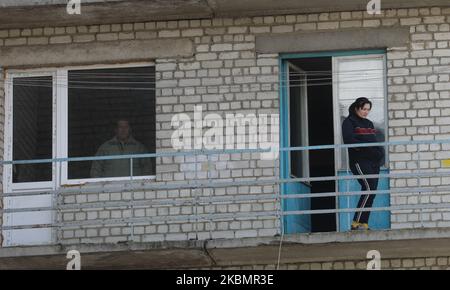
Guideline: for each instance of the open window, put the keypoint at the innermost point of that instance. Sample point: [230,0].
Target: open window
[317,89]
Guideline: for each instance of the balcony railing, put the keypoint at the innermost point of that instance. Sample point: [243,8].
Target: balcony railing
[195,200]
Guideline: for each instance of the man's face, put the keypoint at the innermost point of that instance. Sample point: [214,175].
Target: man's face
[123,130]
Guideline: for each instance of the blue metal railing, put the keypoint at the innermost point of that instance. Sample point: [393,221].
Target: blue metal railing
[214,183]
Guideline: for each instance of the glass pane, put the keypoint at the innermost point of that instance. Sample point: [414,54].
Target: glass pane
[297,81]
[361,78]
[111,112]
[32,127]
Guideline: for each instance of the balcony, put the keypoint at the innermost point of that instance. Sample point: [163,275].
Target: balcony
[143,224]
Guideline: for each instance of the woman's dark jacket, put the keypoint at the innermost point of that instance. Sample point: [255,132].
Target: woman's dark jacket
[361,130]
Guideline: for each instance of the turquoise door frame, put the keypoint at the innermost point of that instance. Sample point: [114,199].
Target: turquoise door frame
[301,223]
[291,223]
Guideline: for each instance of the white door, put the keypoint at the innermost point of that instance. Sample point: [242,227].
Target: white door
[29,134]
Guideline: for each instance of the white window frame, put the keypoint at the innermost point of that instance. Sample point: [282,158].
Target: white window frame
[336,112]
[9,186]
[59,125]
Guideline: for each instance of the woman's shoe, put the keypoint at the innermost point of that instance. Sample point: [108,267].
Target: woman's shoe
[359,226]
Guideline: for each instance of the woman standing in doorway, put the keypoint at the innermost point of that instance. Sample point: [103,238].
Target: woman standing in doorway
[356,128]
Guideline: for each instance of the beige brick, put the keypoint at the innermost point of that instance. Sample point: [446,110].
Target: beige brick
[396,263]
[4,33]
[410,21]
[15,41]
[107,36]
[116,27]
[442,261]
[408,263]
[60,30]
[169,33]
[371,23]
[282,29]
[82,29]
[305,26]
[26,32]
[126,35]
[349,265]
[315,266]
[71,30]
[14,32]
[37,40]
[83,37]
[127,27]
[328,25]
[237,29]
[430,261]
[338,266]
[60,39]
[420,262]
[192,32]
[353,23]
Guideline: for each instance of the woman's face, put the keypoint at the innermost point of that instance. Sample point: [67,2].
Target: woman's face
[364,111]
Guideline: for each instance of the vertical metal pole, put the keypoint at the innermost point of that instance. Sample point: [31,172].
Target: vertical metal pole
[279,197]
[419,185]
[336,185]
[209,202]
[347,182]
[195,196]
[131,168]
[279,202]
[132,199]
[57,204]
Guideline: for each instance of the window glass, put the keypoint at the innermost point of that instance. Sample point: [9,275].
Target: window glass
[111,112]
[361,77]
[32,128]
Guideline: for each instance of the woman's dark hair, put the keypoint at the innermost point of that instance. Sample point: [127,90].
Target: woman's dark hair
[358,104]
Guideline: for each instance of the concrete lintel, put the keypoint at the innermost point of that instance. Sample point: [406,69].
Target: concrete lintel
[347,39]
[94,53]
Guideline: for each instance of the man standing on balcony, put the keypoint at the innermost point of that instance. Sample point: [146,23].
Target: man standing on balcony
[121,144]
[356,128]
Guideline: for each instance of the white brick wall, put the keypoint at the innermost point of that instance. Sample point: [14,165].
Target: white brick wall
[227,76]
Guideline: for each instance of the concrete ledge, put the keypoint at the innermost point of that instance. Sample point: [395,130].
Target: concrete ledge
[25,13]
[100,12]
[270,7]
[317,247]
[346,39]
[94,53]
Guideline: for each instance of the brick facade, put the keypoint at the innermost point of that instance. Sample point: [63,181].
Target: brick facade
[226,75]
